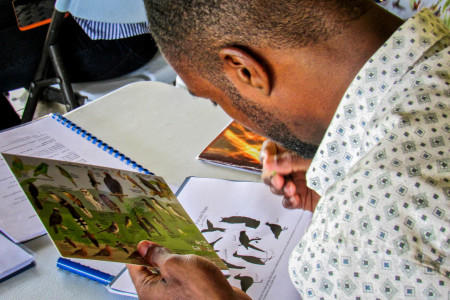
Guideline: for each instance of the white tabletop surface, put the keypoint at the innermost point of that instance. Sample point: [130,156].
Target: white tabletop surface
[157,125]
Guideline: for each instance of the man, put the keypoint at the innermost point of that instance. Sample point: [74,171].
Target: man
[345,83]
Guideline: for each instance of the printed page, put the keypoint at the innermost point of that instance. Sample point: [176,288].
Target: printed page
[248,228]
[44,138]
[12,257]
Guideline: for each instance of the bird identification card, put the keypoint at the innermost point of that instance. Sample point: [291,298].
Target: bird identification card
[100,213]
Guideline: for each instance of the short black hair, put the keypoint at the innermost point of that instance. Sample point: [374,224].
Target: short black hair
[203,27]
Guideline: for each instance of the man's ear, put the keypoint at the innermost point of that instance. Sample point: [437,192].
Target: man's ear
[243,68]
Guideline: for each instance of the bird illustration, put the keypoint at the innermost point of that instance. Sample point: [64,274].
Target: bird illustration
[253,259]
[152,209]
[108,202]
[92,199]
[150,186]
[42,168]
[113,228]
[92,180]
[161,208]
[78,202]
[245,241]
[55,220]
[34,192]
[128,222]
[177,213]
[67,175]
[276,229]
[246,282]
[397,5]
[164,188]
[143,226]
[81,252]
[91,237]
[150,225]
[69,241]
[181,231]
[17,166]
[104,252]
[135,184]
[118,174]
[114,186]
[162,225]
[416,5]
[211,227]
[119,245]
[76,216]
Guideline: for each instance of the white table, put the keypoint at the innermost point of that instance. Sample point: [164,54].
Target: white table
[157,125]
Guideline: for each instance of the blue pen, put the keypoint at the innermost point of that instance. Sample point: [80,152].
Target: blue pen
[84,271]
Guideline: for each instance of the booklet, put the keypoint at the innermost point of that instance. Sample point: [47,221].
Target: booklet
[94,212]
[236,147]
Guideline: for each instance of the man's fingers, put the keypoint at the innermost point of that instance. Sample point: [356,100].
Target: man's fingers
[268,148]
[143,277]
[153,253]
[286,163]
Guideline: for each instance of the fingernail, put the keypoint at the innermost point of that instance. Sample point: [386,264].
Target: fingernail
[143,247]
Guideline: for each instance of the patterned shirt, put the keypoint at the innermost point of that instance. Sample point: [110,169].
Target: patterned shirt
[381,228]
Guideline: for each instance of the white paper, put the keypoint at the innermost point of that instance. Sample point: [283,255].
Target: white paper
[12,257]
[213,199]
[48,139]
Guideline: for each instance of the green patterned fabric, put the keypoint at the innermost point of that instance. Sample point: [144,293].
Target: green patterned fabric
[381,229]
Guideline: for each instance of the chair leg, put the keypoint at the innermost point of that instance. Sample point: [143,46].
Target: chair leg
[39,76]
[61,73]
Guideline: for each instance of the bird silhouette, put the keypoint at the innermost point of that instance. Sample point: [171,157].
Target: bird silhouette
[245,241]
[249,222]
[66,174]
[231,266]
[213,243]
[276,229]
[34,192]
[211,227]
[92,180]
[55,220]
[252,259]
[246,282]
[114,186]
[78,202]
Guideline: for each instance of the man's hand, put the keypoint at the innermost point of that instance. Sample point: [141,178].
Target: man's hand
[284,171]
[179,276]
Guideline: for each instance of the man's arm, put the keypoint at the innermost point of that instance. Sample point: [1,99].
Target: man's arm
[284,171]
[179,276]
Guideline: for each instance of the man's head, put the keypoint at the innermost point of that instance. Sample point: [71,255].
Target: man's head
[260,60]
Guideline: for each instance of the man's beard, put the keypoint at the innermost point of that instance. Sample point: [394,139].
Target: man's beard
[272,127]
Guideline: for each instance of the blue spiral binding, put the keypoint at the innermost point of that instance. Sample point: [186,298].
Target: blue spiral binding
[100,144]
